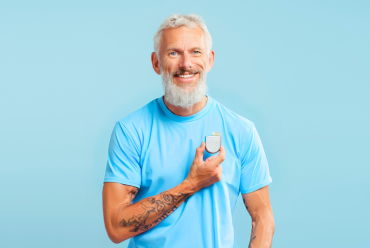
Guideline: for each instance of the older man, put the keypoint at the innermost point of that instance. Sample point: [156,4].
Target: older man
[162,188]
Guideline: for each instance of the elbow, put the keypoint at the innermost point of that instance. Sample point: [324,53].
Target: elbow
[116,237]
[116,241]
[116,233]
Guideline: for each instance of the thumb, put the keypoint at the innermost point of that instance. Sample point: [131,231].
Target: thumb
[200,151]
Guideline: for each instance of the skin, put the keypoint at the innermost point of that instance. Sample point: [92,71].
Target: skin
[181,49]
[124,220]
[263,225]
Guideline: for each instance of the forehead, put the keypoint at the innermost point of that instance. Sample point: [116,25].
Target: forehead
[183,36]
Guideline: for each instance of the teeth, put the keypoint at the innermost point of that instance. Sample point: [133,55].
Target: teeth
[186,76]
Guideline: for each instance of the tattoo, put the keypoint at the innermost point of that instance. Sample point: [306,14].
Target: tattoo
[137,219]
[159,206]
[165,214]
[168,199]
[250,242]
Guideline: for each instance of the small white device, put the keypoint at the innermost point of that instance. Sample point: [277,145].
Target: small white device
[213,143]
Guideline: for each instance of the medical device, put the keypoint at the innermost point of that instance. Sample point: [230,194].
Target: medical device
[213,143]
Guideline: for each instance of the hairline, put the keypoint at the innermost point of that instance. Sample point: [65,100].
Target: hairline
[195,47]
[191,21]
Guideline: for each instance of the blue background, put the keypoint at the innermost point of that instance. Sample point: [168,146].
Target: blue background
[298,69]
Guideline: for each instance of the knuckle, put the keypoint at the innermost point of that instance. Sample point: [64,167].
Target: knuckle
[218,176]
[215,174]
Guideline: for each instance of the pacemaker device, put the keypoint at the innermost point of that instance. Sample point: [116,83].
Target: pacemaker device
[213,143]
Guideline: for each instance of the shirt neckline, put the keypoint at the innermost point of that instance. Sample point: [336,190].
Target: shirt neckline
[193,117]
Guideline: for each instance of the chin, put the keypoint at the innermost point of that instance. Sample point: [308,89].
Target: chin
[184,94]
[185,85]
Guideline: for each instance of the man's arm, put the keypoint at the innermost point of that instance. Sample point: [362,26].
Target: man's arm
[123,220]
[263,224]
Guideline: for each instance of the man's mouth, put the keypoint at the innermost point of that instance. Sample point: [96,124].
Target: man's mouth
[185,75]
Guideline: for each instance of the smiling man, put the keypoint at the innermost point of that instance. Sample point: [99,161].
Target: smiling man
[161,187]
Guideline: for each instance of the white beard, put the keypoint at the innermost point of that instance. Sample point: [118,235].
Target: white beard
[182,96]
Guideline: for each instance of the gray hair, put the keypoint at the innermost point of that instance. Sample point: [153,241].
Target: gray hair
[178,20]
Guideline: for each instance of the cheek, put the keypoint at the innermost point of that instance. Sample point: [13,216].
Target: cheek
[201,62]
[170,65]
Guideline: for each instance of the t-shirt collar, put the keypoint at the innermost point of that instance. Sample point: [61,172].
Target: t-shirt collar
[193,117]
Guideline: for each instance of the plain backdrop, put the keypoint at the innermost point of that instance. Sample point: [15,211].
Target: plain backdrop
[298,69]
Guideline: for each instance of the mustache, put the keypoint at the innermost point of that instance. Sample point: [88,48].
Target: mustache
[190,71]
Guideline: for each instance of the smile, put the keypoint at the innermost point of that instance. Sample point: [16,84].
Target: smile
[186,75]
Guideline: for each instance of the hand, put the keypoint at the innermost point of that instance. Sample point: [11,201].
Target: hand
[205,173]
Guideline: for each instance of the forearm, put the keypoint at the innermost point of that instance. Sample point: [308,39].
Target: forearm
[141,216]
[262,231]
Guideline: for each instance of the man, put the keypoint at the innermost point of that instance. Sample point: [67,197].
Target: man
[162,189]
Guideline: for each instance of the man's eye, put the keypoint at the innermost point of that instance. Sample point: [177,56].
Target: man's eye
[173,53]
[196,52]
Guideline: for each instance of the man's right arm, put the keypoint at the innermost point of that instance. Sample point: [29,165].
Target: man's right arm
[124,220]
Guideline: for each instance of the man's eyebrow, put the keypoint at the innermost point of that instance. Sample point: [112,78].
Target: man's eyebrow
[197,48]
[177,49]
[172,48]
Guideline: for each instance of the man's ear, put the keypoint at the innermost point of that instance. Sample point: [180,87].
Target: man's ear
[155,63]
[211,59]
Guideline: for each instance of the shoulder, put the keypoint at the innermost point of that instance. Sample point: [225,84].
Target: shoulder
[135,122]
[138,117]
[232,119]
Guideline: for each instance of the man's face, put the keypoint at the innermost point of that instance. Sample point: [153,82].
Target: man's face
[184,63]
[183,55]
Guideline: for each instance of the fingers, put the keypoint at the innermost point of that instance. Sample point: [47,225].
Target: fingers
[219,174]
[200,151]
[218,159]
[221,156]
[210,158]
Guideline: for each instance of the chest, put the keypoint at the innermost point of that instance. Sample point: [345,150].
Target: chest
[169,151]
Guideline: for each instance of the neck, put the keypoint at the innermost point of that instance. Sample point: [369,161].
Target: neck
[177,110]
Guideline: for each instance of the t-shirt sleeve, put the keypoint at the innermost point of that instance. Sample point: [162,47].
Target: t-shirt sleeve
[123,164]
[254,167]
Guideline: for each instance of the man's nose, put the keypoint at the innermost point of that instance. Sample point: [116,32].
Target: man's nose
[185,61]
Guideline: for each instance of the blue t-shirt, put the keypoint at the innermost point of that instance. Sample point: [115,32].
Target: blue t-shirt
[153,149]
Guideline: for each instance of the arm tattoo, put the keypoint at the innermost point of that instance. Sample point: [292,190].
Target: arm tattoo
[138,222]
[250,242]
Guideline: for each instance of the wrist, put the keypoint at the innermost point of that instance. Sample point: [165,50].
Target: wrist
[188,187]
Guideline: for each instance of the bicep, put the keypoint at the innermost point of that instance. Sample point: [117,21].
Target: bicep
[258,202]
[115,197]
[254,166]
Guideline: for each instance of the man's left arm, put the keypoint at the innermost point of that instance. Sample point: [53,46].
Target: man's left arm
[263,224]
